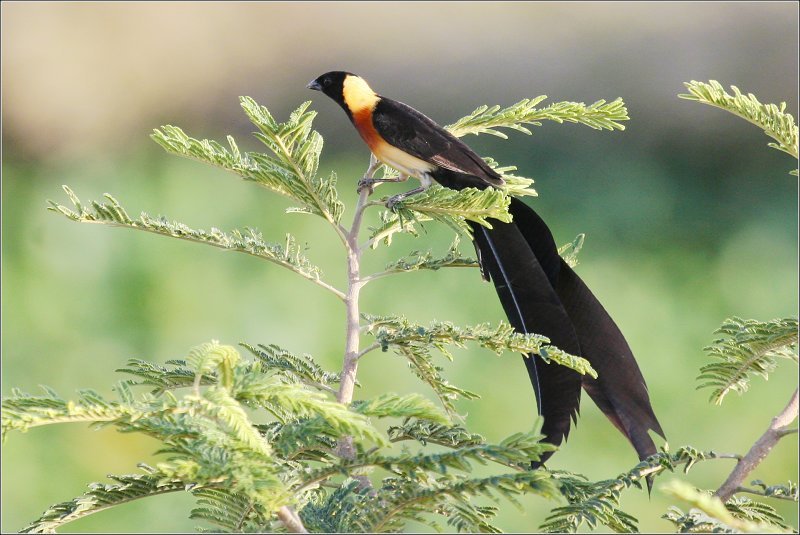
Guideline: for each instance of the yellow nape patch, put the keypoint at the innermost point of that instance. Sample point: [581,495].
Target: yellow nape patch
[357,94]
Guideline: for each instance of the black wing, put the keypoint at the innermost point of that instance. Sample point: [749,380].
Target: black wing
[409,130]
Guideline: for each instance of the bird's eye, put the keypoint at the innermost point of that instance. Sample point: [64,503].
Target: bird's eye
[326,82]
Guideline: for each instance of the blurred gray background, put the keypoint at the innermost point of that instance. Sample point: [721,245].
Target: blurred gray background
[689,216]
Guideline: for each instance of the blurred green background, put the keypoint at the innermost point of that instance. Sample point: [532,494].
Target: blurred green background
[689,217]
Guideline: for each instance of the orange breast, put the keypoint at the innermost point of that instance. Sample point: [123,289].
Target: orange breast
[387,153]
[363,123]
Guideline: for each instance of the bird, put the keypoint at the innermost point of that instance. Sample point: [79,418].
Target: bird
[539,292]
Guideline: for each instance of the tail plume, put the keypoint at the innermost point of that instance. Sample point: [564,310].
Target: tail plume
[541,294]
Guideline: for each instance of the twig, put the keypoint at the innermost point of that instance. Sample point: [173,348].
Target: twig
[352,333]
[291,520]
[760,449]
[758,492]
[388,272]
[371,347]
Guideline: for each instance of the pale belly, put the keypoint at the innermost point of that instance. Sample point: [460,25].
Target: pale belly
[403,162]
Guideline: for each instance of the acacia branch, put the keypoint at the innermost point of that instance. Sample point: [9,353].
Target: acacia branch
[776,430]
[291,520]
[352,333]
[369,348]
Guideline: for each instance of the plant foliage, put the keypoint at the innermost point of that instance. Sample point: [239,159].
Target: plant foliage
[248,241]
[746,348]
[290,168]
[772,119]
[601,115]
[249,476]
[738,515]
[595,504]
[378,462]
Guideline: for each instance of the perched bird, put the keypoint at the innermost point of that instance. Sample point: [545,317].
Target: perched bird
[539,292]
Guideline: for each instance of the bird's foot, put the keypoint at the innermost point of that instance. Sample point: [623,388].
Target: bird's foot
[394,200]
[368,184]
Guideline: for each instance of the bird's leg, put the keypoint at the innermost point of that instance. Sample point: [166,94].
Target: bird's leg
[369,182]
[425,181]
[366,181]
[395,199]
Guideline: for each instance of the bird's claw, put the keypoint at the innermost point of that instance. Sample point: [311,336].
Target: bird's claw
[393,201]
[368,183]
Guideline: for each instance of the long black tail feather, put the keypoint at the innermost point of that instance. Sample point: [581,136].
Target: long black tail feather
[532,306]
[541,294]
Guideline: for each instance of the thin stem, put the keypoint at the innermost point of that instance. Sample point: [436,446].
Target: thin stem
[369,348]
[352,331]
[729,456]
[242,518]
[381,274]
[758,492]
[363,204]
[370,242]
[291,520]
[378,275]
[760,449]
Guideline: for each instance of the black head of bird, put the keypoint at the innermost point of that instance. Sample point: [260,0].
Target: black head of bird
[332,85]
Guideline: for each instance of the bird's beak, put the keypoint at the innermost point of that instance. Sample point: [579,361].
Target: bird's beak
[313,84]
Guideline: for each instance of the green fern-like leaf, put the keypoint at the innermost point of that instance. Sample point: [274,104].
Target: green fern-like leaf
[569,252]
[468,518]
[772,119]
[218,404]
[784,492]
[747,347]
[427,484]
[398,331]
[595,504]
[738,515]
[743,508]
[298,401]
[290,170]
[418,261]
[24,411]
[212,356]
[402,501]
[246,241]
[304,439]
[486,119]
[295,368]
[421,363]
[231,512]
[414,342]
[452,207]
[101,496]
[426,432]
[397,406]
[390,223]
[695,521]
[173,374]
